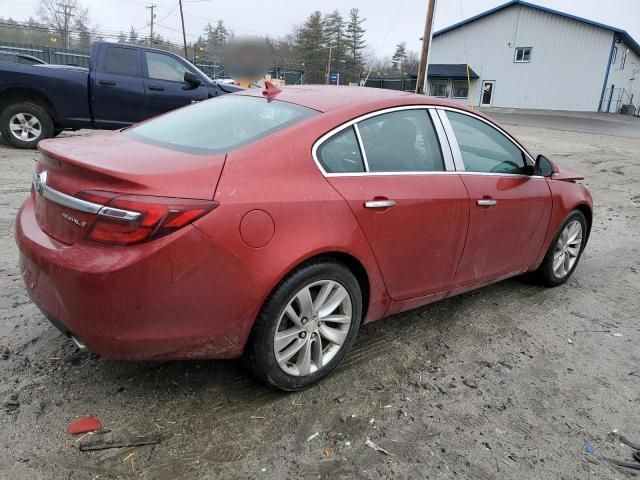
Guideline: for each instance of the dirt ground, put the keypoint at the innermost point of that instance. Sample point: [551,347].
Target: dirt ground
[510,381]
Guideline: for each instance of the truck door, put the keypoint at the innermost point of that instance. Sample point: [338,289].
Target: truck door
[117,88]
[165,88]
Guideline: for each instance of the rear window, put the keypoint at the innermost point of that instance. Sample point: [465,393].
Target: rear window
[122,61]
[219,125]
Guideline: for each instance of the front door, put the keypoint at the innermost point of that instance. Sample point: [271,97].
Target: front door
[413,212]
[509,211]
[165,88]
[487,93]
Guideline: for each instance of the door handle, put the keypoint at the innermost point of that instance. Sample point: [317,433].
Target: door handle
[379,204]
[107,82]
[156,88]
[486,202]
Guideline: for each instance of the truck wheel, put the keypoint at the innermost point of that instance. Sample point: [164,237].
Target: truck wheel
[24,124]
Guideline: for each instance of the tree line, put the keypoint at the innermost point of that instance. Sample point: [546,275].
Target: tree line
[324,44]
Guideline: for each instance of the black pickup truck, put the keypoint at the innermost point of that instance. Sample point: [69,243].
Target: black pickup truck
[123,85]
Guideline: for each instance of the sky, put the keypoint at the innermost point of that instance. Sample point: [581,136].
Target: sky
[388,22]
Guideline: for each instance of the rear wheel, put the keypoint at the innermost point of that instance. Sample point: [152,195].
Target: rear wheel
[24,124]
[565,250]
[306,326]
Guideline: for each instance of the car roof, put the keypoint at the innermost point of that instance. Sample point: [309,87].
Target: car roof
[324,98]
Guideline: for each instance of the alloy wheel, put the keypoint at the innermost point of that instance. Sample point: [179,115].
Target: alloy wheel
[567,249]
[313,327]
[25,127]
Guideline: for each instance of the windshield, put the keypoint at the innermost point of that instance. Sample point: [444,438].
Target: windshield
[218,125]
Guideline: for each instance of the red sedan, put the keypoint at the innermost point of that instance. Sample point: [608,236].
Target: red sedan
[272,224]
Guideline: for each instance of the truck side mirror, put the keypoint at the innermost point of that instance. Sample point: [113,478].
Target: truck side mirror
[192,79]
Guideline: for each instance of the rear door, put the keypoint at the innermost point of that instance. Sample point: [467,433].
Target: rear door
[117,90]
[404,193]
[509,210]
[165,88]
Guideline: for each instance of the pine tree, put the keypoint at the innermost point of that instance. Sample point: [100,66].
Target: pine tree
[133,36]
[311,47]
[84,37]
[335,35]
[355,44]
[400,55]
[122,38]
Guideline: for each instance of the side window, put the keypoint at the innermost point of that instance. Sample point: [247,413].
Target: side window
[341,153]
[165,67]
[438,88]
[402,141]
[483,148]
[122,61]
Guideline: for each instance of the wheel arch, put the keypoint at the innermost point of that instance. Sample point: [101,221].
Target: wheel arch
[348,260]
[588,214]
[18,94]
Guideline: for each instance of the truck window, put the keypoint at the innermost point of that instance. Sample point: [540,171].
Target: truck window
[165,67]
[122,61]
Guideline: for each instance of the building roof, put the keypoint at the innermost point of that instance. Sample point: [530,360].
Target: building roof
[622,34]
[450,70]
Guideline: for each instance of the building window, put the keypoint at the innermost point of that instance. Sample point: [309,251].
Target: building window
[614,55]
[460,89]
[439,88]
[523,55]
[623,59]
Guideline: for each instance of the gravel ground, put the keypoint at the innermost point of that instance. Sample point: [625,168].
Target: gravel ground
[510,381]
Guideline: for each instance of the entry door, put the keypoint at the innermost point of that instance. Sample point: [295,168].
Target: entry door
[509,211]
[487,93]
[413,212]
[165,88]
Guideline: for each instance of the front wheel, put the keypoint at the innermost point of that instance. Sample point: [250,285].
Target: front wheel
[24,124]
[306,326]
[565,250]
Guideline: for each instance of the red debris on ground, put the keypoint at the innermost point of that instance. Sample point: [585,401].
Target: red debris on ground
[84,425]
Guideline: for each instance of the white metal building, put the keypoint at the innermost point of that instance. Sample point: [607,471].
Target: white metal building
[527,56]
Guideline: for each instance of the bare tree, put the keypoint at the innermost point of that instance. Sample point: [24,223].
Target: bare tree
[63,17]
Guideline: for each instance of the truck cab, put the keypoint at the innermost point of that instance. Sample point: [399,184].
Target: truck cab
[124,84]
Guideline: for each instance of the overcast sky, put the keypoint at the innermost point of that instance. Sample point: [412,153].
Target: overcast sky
[388,22]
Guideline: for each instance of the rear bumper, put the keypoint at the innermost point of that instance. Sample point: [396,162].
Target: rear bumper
[179,296]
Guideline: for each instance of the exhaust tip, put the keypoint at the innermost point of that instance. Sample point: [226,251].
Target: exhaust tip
[78,342]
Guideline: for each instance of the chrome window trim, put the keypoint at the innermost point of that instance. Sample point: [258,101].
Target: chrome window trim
[444,172]
[491,124]
[363,154]
[445,147]
[453,142]
[354,121]
[40,186]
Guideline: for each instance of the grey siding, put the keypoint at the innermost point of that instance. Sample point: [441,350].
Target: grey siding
[568,60]
[620,79]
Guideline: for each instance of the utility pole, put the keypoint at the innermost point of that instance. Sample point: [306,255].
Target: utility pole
[426,41]
[153,15]
[66,11]
[329,66]
[184,35]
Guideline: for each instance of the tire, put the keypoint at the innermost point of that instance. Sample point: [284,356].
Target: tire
[294,373]
[18,113]
[554,277]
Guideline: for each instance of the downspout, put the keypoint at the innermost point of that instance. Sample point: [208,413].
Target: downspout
[606,75]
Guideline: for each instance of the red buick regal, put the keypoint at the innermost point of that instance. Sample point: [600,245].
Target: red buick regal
[272,224]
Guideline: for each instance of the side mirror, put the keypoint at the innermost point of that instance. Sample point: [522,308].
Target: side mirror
[544,166]
[192,79]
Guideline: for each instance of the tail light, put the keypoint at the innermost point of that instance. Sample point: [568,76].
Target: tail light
[132,219]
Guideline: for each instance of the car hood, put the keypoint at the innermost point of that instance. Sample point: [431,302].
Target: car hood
[566,174]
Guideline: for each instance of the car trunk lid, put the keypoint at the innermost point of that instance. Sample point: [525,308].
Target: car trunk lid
[112,163]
